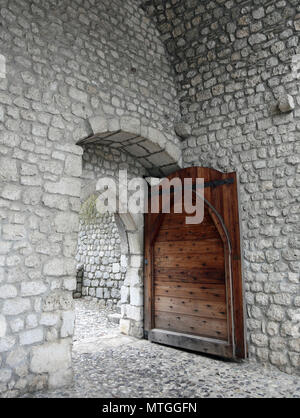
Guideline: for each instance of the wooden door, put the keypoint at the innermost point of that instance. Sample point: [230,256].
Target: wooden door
[193,276]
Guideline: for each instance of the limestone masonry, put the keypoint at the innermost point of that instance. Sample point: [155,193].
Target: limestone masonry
[119,76]
[102,251]
[235,62]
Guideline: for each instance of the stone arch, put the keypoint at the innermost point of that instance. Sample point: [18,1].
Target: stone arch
[160,155]
[157,151]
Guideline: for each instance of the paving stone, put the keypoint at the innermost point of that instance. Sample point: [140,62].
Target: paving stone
[107,364]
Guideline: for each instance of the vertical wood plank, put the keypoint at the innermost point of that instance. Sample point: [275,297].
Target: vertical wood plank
[224,200]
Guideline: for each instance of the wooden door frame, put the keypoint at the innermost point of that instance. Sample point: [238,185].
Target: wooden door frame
[236,348]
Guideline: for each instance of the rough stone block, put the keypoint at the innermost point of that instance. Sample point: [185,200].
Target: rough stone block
[125,294]
[135,242]
[33,288]
[60,267]
[66,186]
[51,357]
[286,103]
[66,222]
[157,137]
[8,291]
[49,319]
[161,158]
[3,326]
[11,192]
[16,306]
[61,378]
[98,124]
[31,337]
[125,326]
[17,357]
[136,296]
[58,300]
[68,320]
[6,343]
[5,375]
[134,312]
[78,95]
[116,267]
[183,130]
[73,166]
[69,283]
[14,232]
[130,124]
[8,169]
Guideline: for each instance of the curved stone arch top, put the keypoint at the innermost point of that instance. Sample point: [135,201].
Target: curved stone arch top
[160,156]
[151,147]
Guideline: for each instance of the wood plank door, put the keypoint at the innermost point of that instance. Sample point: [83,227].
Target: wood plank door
[193,275]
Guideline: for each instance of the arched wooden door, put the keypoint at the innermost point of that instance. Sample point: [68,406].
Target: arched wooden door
[193,278]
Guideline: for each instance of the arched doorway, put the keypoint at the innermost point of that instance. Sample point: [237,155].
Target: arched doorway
[145,152]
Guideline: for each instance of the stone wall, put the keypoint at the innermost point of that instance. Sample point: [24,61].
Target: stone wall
[104,266]
[234,63]
[65,62]
[102,243]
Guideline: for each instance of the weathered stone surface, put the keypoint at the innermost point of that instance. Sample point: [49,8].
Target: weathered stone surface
[125,326]
[286,103]
[8,291]
[134,312]
[228,66]
[78,95]
[66,222]
[49,319]
[67,328]
[73,166]
[42,115]
[33,288]
[222,90]
[104,266]
[5,375]
[59,267]
[66,186]
[61,378]
[57,300]
[136,296]
[3,326]
[70,283]
[11,192]
[130,124]
[51,357]
[31,337]
[7,343]
[16,306]
[183,130]
[14,232]
[275,313]
[98,124]
[8,169]
[16,358]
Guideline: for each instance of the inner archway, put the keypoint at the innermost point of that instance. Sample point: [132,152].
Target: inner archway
[125,144]
[159,152]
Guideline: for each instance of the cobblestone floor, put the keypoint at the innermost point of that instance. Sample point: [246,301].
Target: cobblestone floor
[107,364]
